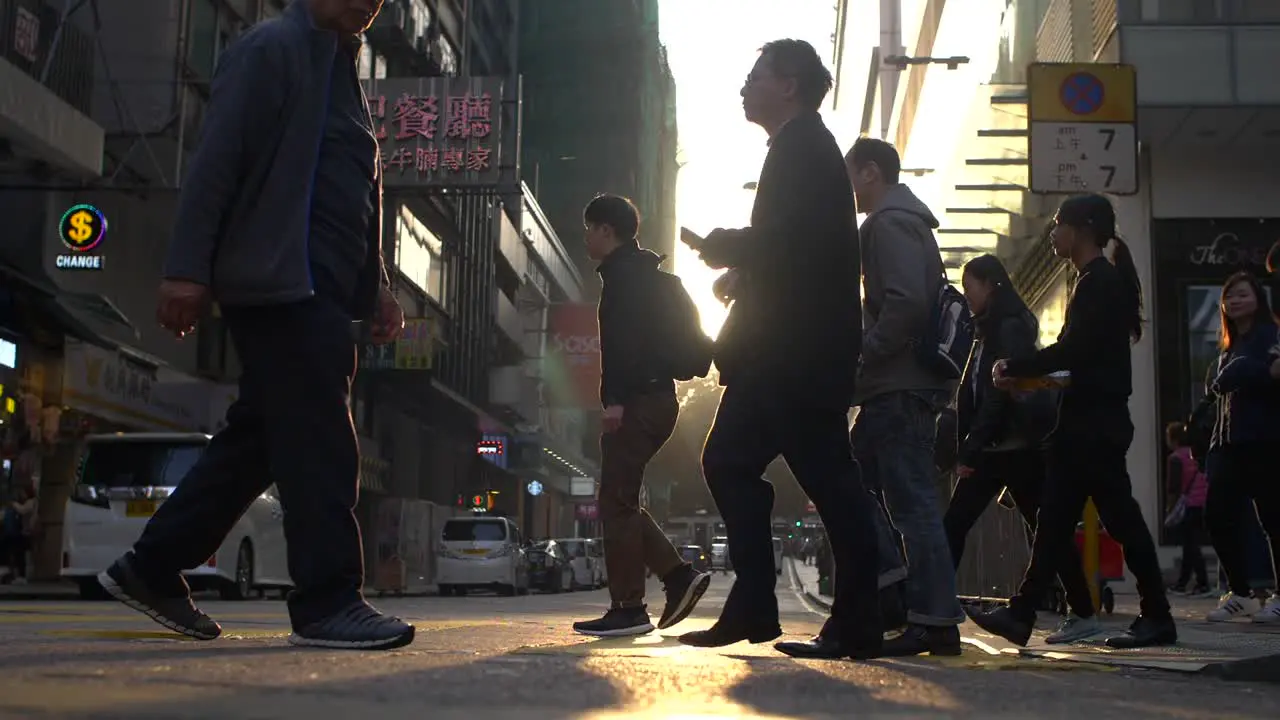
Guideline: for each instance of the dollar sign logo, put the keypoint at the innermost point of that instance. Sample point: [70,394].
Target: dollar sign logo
[80,228]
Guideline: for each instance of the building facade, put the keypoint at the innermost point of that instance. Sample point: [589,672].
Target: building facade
[466,263]
[1208,125]
[599,114]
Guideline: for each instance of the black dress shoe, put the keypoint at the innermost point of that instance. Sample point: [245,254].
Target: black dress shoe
[1146,632]
[821,648]
[1004,623]
[722,634]
[922,639]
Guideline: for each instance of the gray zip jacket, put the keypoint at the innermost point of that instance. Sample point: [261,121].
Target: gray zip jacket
[243,219]
[901,273]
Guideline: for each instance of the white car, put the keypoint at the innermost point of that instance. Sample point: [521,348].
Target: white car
[587,559]
[481,552]
[124,477]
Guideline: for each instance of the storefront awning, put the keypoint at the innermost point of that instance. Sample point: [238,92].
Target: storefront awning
[45,313]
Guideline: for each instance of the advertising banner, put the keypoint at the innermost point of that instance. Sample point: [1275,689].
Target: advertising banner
[414,350]
[573,372]
[439,131]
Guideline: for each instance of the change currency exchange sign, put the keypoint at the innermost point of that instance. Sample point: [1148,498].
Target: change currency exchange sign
[437,131]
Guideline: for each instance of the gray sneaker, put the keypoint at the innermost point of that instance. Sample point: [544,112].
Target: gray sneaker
[356,627]
[1075,629]
[172,610]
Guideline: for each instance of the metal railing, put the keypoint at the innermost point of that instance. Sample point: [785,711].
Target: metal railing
[34,38]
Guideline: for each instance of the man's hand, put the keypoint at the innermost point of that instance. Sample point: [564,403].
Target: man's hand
[612,418]
[388,319]
[181,304]
[726,286]
[710,250]
[999,379]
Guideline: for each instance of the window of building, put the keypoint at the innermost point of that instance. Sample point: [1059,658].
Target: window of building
[379,66]
[420,254]
[448,57]
[202,38]
[364,63]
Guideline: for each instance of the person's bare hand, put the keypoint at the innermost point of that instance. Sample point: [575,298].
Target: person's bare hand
[726,286]
[180,305]
[388,319]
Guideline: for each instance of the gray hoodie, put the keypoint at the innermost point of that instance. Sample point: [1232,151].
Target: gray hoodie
[901,272]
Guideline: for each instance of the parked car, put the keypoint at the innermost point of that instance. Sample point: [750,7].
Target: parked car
[124,477]
[481,553]
[695,556]
[587,557]
[720,555]
[549,567]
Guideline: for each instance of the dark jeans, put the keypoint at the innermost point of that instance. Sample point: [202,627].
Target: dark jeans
[1240,473]
[291,425]
[632,540]
[752,427]
[1023,472]
[1193,536]
[1086,458]
[15,554]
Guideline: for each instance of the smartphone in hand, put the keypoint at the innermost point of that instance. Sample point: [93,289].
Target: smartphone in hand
[691,238]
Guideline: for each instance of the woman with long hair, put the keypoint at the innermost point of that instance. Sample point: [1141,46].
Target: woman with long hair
[1002,435]
[1087,451]
[1245,437]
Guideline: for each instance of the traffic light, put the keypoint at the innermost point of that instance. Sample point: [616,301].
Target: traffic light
[798,523]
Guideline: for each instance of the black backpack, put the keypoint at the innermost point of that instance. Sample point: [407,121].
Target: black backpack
[681,347]
[948,337]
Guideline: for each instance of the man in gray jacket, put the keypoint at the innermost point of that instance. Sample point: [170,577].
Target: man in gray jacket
[898,397]
[292,265]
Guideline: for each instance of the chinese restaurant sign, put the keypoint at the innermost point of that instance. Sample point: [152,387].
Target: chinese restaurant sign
[437,131]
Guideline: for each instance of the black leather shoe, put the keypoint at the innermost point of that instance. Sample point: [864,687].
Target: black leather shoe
[1146,632]
[816,647]
[821,648]
[722,634]
[1004,623]
[922,639]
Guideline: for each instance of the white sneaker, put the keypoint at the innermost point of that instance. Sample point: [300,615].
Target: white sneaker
[1075,629]
[1270,613]
[1230,607]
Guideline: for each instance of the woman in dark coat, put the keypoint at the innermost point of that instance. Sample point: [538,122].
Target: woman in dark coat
[1001,435]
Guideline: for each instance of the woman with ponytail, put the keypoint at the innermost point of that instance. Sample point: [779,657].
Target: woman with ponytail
[1087,450]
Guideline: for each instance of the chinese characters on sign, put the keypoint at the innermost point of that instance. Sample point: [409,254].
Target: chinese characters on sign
[26,34]
[437,130]
[414,350]
[1082,128]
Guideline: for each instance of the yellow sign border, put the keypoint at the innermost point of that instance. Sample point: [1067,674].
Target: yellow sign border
[1120,96]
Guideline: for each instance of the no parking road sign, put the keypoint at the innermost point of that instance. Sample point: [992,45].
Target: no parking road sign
[1082,128]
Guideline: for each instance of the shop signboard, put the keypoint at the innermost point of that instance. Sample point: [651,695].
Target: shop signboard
[586,511]
[116,388]
[414,350]
[438,131]
[573,371]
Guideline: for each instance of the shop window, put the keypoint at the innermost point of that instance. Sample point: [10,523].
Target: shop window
[364,63]
[379,66]
[420,254]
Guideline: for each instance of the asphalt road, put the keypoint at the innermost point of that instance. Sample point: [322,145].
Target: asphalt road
[482,657]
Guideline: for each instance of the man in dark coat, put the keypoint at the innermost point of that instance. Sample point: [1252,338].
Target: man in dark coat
[787,357]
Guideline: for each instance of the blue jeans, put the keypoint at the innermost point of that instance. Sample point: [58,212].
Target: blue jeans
[893,438]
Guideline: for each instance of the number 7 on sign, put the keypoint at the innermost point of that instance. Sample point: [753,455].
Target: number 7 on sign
[1110,135]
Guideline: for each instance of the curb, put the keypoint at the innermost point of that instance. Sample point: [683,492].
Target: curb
[810,596]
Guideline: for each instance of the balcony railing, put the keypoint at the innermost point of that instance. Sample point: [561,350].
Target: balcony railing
[27,32]
[1075,30]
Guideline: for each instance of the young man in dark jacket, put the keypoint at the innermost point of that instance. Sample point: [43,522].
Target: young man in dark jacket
[292,265]
[640,412]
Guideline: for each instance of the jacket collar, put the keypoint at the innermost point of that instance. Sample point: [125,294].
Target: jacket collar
[299,13]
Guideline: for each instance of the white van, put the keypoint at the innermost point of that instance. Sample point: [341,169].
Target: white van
[586,557]
[123,478]
[481,552]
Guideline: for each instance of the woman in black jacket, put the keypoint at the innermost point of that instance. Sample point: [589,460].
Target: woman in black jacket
[1245,437]
[1087,451]
[1002,435]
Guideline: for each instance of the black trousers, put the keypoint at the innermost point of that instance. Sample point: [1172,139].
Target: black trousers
[1240,473]
[290,426]
[1086,458]
[1023,472]
[753,426]
[1193,536]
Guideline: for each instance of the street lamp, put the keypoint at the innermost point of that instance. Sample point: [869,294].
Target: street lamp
[902,61]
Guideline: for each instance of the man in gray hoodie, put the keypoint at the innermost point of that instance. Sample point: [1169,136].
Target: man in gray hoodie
[899,398]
